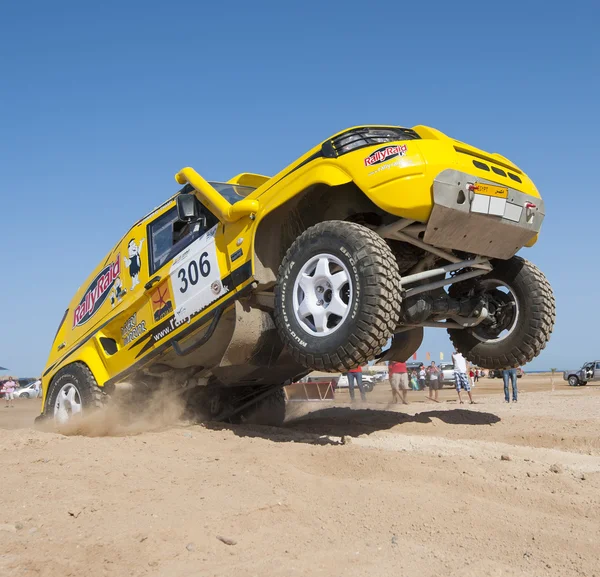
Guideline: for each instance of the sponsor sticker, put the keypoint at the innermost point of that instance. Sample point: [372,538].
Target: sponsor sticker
[96,293]
[383,167]
[131,330]
[385,153]
[162,301]
[237,254]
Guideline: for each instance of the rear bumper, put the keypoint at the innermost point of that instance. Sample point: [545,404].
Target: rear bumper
[463,220]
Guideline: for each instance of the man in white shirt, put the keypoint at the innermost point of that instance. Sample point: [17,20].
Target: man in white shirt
[461,378]
[37,387]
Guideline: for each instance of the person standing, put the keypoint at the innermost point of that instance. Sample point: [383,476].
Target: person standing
[37,387]
[414,380]
[9,392]
[461,378]
[512,375]
[398,374]
[355,375]
[422,377]
[434,382]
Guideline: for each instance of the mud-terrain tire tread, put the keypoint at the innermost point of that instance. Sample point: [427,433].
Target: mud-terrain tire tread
[541,303]
[92,396]
[380,307]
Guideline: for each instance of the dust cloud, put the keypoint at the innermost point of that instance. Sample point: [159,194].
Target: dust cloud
[129,412]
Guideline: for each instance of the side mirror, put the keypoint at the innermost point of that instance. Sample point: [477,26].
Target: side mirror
[188,208]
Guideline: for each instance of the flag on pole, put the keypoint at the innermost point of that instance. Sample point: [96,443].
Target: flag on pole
[428,356]
[415,357]
[441,356]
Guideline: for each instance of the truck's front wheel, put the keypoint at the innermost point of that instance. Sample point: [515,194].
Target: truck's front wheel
[521,314]
[337,296]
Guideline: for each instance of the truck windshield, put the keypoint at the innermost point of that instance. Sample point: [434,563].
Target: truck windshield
[232,192]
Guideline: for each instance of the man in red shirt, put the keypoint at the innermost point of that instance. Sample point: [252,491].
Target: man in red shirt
[356,375]
[398,374]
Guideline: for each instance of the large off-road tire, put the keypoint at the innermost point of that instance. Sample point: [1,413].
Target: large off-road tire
[528,326]
[73,392]
[337,298]
[270,410]
[573,381]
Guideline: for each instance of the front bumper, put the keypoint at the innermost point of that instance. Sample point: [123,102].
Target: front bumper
[463,220]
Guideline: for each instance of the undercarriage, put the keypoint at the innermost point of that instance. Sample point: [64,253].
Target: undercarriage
[498,312]
[425,303]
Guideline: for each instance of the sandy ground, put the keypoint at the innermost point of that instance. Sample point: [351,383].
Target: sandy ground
[376,489]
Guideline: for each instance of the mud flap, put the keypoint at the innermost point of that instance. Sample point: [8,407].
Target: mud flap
[404,345]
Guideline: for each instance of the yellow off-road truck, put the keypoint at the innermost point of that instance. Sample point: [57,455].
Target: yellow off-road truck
[229,291]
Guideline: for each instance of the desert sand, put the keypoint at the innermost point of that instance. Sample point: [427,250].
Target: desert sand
[367,489]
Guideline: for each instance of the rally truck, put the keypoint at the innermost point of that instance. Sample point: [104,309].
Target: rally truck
[231,290]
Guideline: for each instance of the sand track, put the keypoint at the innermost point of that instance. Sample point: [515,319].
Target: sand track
[373,491]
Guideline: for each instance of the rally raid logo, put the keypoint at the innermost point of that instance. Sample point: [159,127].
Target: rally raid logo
[385,153]
[96,293]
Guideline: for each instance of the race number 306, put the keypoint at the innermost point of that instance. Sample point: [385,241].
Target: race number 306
[195,270]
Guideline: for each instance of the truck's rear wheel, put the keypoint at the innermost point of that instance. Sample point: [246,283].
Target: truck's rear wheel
[337,299]
[269,410]
[73,392]
[522,313]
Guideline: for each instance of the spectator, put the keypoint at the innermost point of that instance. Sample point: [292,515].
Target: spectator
[398,374]
[472,377]
[477,373]
[422,377]
[460,376]
[434,382]
[414,381]
[37,387]
[512,374]
[356,375]
[9,392]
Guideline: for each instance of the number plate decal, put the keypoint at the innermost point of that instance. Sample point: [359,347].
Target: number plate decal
[196,278]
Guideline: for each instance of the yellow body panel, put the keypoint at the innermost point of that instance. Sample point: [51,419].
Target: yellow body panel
[111,306]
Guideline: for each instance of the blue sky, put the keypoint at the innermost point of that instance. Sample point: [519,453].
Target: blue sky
[102,103]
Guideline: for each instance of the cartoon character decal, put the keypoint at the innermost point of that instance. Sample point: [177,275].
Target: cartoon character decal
[117,292]
[134,262]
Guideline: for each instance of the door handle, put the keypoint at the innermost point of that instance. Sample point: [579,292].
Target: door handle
[151,282]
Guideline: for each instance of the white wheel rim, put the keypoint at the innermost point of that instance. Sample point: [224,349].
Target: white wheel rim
[322,295]
[68,403]
[495,284]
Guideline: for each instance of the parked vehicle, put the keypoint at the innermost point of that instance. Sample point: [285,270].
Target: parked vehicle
[231,290]
[368,382]
[447,374]
[23,382]
[497,373]
[26,392]
[590,371]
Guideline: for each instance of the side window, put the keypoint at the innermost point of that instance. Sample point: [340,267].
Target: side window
[169,236]
[597,366]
